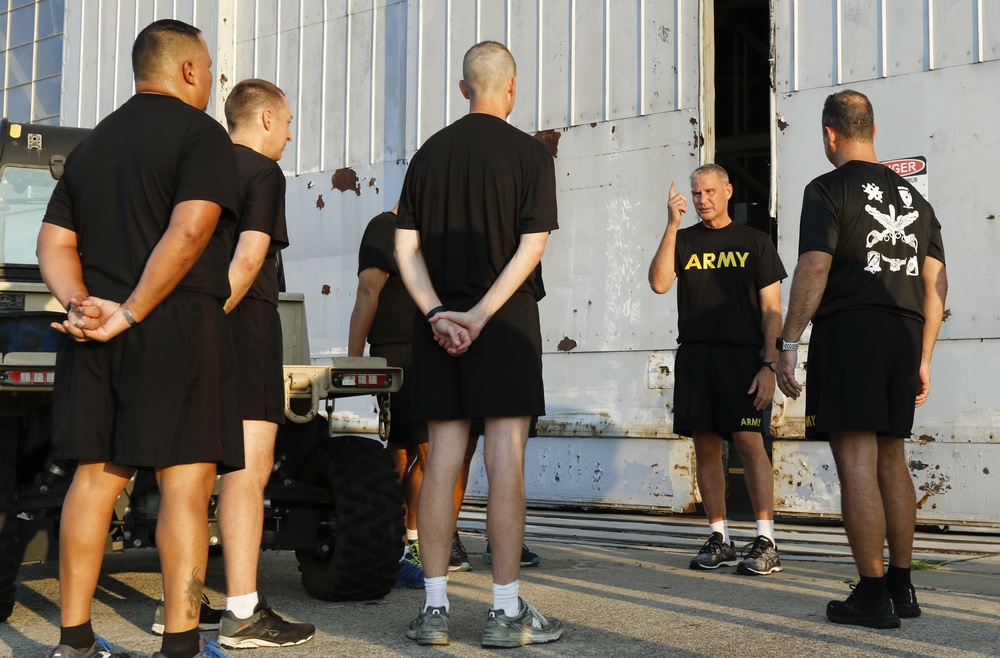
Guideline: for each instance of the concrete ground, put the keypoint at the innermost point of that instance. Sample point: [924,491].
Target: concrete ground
[614,600]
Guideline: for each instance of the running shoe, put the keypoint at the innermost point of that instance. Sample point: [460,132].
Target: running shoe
[459,557]
[904,601]
[208,620]
[100,649]
[528,626]
[411,569]
[430,627]
[264,628]
[862,611]
[528,559]
[714,554]
[760,557]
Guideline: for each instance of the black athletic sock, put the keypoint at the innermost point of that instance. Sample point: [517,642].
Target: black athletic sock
[897,578]
[79,637]
[181,645]
[871,589]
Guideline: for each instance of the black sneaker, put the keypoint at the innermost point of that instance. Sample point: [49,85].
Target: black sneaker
[528,558]
[714,554]
[100,649]
[528,626]
[861,611]
[459,557]
[760,557]
[264,628]
[904,600]
[208,619]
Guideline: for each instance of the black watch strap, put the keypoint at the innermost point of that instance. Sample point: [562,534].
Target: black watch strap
[767,364]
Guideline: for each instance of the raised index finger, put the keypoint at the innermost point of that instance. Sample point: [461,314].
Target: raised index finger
[673,186]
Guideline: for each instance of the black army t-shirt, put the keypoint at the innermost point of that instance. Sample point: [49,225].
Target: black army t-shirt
[261,189]
[122,182]
[393,322]
[879,231]
[471,191]
[719,274]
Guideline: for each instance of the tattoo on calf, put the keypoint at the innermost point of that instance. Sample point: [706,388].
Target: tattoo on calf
[194,589]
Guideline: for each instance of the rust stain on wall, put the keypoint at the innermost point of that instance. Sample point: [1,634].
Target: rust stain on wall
[320,203]
[326,289]
[782,124]
[346,180]
[566,344]
[946,315]
[551,140]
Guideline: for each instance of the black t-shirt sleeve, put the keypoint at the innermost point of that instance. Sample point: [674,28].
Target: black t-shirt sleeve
[264,207]
[935,245]
[538,212]
[60,209]
[818,227]
[378,245]
[769,267]
[406,217]
[208,170]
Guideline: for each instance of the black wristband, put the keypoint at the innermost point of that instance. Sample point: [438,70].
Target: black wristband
[434,311]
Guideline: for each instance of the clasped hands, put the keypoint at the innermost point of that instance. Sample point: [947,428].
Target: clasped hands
[92,318]
[455,331]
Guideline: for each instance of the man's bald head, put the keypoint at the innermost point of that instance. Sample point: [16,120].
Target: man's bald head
[487,68]
[248,98]
[163,45]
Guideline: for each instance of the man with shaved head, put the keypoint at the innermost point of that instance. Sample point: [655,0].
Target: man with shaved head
[477,205]
[135,243]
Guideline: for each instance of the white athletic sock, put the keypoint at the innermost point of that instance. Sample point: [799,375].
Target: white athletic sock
[242,606]
[411,535]
[436,593]
[505,598]
[721,527]
[766,527]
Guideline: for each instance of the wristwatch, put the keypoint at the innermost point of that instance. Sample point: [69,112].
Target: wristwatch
[767,364]
[785,346]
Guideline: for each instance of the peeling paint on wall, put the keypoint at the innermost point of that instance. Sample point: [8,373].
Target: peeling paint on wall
[550,138]
[346,180]
[566,344]
[326,289]
[320,203]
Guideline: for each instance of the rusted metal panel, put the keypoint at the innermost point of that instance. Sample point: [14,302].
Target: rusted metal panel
[954,483]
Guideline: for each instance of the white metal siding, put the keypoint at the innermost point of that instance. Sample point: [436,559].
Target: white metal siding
[831,42]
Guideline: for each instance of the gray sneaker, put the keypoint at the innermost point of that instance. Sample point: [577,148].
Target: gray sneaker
[264,628]
[100,649]
[430,627]
[208,620]
[527,627]
[714,554]
[760,557]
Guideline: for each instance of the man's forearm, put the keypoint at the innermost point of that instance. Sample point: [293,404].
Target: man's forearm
[248,259]
[62,272]
[808,285]
[935,293]
[361,323]
[413,270]
[662,269]
[515,272]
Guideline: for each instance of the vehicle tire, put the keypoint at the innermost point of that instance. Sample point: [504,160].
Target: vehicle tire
[367,518]
[9,558]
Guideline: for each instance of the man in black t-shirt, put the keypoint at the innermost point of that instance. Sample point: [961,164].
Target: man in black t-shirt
[134,245]
[259,117]
[728,315]
[477,204]
[871,276]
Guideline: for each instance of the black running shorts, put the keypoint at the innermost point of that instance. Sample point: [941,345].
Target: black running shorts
[256,328]
[404,428]
[862,374]
[500,376]
[710,390]
[162,393]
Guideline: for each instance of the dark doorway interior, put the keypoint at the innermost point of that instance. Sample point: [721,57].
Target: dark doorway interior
[743,138]
[742,106]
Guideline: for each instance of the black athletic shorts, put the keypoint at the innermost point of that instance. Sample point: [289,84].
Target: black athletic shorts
[404,428]
[162,393]
[500,376]
[862,374]
[710,389]
[256,328]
